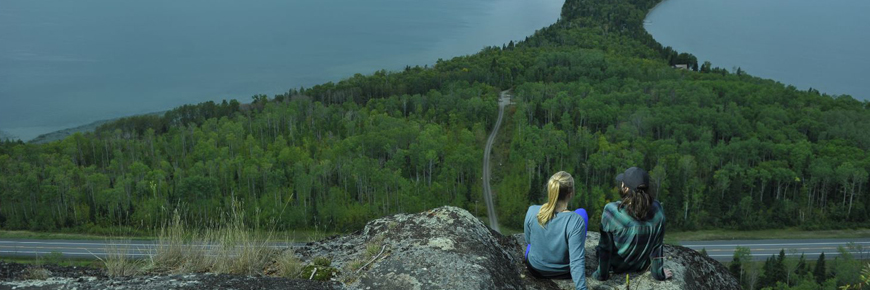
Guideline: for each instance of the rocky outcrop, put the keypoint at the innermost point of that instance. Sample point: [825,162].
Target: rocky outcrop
[448,248]
[444,248]
[15,276]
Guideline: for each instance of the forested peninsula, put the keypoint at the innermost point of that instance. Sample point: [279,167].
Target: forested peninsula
[594,94]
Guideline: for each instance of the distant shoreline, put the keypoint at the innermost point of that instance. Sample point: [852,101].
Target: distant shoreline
[61,134]
[838,82]
[231,68]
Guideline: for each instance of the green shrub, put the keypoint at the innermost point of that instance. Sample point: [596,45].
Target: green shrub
[324,273]
[322,261]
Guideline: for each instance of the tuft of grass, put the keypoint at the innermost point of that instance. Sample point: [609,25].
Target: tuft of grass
[372,249]
[230,247]
[355,265]
[237,251]
[118,264]
[289,266]
[348,272]
[36,273]
[173,252]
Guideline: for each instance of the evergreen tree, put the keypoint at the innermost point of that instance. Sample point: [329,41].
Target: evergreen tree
[704,252]
[802,268]
[819,272]
[778,272]
[767,277]
[705,68]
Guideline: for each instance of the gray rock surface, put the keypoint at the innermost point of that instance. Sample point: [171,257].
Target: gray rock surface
[448,248]
[444,248]
[14,276]
[190,281]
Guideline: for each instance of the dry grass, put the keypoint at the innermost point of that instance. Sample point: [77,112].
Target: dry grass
[355,265]
[36,273]
[350,271]
[229,248]
[289,266]
[118,264]
[226,246]
[372,249]
[235,250]
[174,252]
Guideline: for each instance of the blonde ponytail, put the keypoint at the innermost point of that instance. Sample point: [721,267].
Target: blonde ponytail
[559,187]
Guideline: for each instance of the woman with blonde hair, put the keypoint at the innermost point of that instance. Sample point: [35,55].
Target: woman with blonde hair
[556,237]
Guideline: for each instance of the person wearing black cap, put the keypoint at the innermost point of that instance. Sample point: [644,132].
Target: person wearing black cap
[632,230]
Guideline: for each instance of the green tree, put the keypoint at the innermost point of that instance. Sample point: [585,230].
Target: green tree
[741,255]
[802,267]
[820,272]
[705,68]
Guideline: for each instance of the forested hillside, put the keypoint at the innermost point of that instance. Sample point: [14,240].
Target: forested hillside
[594,94]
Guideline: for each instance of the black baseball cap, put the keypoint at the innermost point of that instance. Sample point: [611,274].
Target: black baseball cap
[633,177]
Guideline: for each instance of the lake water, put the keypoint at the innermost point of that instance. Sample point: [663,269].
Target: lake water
[67,63]
[807,43]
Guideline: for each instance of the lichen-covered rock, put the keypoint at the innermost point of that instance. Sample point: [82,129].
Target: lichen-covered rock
[444,248]
[64,278]
[448,248]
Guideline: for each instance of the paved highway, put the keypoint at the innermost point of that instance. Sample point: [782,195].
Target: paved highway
[719,250]
[762,249]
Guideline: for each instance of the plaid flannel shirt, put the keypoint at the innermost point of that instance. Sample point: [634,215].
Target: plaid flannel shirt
[629,245]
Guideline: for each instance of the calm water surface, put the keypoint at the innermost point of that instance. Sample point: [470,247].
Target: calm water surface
[67,63]
[807,43]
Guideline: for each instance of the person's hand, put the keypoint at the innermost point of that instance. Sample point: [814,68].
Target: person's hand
[668,274]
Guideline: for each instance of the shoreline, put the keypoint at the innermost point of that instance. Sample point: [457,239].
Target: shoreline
[744,51]
[44,134]
[89,127]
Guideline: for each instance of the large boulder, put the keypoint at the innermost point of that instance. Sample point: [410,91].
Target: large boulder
[448,248]
[444,248]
